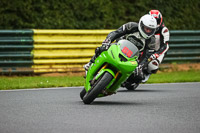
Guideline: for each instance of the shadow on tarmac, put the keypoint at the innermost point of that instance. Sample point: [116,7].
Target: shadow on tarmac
[143,90]
[118,103]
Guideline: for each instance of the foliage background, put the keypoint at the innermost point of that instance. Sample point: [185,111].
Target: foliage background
[95,14]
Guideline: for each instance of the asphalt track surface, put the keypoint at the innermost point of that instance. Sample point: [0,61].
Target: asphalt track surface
[152,108]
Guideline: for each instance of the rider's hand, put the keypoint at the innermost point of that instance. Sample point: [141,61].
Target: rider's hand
[106,43]
[153,57]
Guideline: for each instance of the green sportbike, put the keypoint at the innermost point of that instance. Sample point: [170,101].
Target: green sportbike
[110,69]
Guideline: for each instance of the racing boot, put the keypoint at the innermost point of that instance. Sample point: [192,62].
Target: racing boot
[146,77]
[86,66]
[139,74]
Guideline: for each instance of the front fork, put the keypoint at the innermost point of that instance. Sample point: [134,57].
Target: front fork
[105,69]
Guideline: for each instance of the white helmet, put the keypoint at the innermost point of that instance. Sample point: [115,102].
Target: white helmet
[147,26]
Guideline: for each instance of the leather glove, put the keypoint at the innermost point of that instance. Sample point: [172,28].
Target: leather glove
[153,57]
[106,43]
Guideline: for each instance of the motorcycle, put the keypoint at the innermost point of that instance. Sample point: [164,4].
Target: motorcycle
[109,70]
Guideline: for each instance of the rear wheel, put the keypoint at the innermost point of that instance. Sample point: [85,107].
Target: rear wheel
[132,82]
[132,86]
[97,88]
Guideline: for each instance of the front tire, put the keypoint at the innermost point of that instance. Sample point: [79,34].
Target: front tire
[82,93]
[97,88]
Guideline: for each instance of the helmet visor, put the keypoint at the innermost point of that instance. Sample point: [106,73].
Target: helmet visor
[147,30]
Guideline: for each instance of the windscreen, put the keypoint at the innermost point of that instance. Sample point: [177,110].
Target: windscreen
[128,48]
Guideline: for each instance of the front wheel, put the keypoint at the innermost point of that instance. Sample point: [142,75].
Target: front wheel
[97,88]
[82,93]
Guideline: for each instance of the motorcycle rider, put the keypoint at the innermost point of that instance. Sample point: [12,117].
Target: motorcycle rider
[160,47]
[151,57]
[141,32]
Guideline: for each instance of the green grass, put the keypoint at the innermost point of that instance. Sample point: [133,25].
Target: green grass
[45,82]
[39,82]
[173,77]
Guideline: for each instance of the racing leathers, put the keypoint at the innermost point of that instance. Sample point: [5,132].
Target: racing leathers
[153,48]
[127,31]
[154,54]
[156,50]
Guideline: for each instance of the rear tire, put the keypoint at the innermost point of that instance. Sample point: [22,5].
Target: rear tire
[97,88]
[132,87]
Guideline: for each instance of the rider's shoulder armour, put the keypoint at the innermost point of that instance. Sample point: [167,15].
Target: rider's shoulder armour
[130,27]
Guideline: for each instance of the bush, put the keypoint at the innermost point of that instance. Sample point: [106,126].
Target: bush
[95,14]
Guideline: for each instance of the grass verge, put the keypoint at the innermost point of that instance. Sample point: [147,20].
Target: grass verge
[7,83]
[39,82]
[173,77]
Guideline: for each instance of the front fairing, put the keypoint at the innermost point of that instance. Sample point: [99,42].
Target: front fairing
[113,55]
